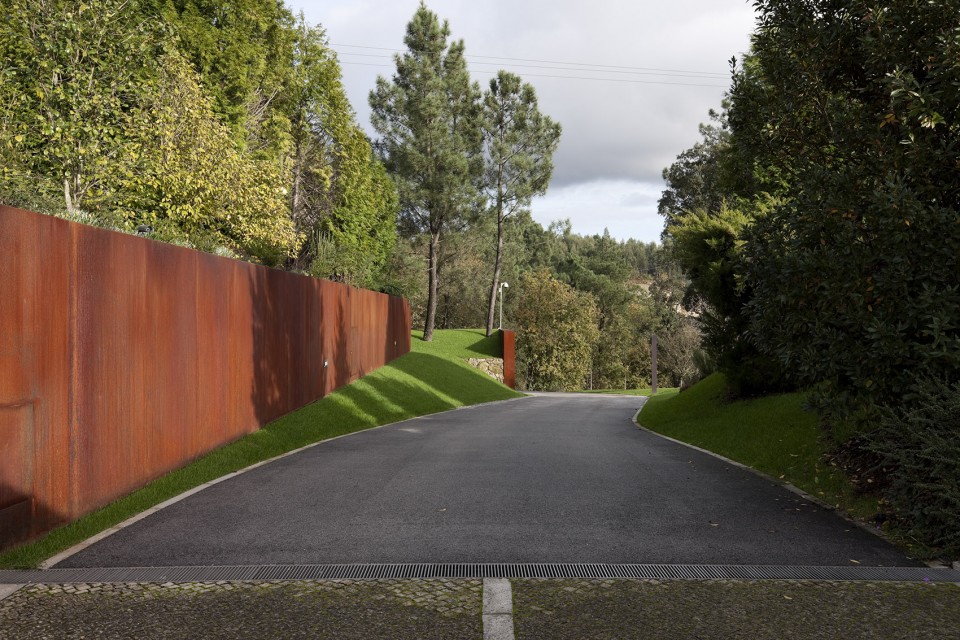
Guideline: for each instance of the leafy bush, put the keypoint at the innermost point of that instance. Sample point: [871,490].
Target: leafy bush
[556,333]
[919,447]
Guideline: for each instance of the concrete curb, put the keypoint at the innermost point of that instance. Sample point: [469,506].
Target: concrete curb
[786,485]
[106,533]
[7,590]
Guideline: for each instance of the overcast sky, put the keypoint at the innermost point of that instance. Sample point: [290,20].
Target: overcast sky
[621,126]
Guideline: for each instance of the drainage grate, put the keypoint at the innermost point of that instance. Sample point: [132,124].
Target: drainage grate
[453,570]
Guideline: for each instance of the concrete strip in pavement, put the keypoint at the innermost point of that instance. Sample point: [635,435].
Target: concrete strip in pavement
[497,609]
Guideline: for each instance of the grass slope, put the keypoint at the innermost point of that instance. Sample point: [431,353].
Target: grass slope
[634,392]
[432,377]
[772,434]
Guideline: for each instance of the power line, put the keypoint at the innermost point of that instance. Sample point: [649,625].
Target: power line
[565,68]
[579,64]
[541,75]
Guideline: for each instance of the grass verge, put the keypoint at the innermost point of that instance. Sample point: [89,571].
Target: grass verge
[647,391]
[774,435]
[432,377]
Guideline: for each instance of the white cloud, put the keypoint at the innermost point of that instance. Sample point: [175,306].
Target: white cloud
[627,208]
[617,134]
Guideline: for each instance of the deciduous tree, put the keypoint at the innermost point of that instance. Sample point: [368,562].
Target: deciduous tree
[556,333]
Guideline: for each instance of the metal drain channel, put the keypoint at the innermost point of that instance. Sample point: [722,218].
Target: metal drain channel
[476,571]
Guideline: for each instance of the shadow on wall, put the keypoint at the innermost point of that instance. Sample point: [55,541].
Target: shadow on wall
[20,514]
[269,344]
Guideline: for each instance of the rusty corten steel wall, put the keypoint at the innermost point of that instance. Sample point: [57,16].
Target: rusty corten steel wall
[509,358]
[122,359]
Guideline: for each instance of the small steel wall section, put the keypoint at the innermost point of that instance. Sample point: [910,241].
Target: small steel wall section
[122,359]
[509,358]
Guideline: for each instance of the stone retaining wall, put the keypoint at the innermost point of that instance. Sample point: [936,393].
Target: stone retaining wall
[493,367]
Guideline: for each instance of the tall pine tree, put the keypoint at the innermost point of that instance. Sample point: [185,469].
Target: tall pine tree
[428,118]
[519,142]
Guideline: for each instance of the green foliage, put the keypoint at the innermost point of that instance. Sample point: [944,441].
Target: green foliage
[190,179]
[919,452]
[855,275]
[556,333]
[222,125]
[73,76]
[340,195]
[242,50]
[428,118]
[709,246]
[695,181]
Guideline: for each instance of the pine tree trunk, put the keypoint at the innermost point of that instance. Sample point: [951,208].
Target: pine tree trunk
[491,310]
[432,287]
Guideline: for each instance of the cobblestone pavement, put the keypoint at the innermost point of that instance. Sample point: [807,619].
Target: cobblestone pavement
[681,610]
[345,609]
[543,609]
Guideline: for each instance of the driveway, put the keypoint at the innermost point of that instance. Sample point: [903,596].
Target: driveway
[545,479]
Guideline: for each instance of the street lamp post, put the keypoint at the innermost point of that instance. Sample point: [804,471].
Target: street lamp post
[502,285]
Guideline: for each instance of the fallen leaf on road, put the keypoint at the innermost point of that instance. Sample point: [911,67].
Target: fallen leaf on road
[855,561]
[787,598]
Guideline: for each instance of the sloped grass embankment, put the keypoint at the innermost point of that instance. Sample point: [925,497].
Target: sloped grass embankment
[433,377]
[773,434]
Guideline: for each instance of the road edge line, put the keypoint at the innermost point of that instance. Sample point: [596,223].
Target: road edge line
[777,481]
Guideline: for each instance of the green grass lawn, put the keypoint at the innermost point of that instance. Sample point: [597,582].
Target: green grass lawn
[433,377]
[460,343]
[774,435]
[635,392]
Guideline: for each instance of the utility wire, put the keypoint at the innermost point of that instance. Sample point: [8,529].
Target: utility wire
[676,74]
[580,64]
[541,75]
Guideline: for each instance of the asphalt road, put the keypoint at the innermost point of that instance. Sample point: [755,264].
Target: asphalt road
[544,479]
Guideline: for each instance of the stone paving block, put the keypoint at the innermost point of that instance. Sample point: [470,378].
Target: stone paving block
[752,610]
[345,609]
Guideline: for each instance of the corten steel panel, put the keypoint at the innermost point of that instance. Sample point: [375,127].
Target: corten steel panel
[16,470]
[35,363]
[240,344]
[213,279]
[137,364]
[311,374]
[137,356]
[509,358]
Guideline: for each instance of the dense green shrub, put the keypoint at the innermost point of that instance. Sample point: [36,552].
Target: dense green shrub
[854,273]
[919,448]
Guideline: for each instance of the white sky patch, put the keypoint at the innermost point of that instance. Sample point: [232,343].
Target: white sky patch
[627,208]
